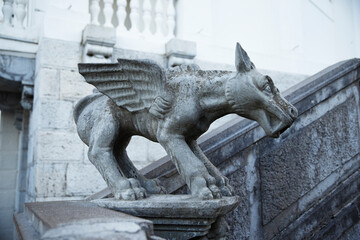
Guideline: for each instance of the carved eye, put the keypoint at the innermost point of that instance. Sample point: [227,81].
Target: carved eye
[267,88]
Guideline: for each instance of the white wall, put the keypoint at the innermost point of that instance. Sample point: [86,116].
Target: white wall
[298,36]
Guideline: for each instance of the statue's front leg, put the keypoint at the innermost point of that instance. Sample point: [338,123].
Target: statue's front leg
[221,181]
[192,169]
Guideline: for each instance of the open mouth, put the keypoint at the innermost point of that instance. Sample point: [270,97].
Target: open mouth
[276,125]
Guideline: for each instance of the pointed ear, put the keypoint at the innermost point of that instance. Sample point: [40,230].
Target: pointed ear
[242,60]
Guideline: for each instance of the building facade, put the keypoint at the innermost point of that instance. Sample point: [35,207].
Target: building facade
[42,41]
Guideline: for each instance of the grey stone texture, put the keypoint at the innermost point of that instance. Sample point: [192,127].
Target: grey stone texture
[178,216]
[303,185]
[173,108]
[79,220]
[323,146]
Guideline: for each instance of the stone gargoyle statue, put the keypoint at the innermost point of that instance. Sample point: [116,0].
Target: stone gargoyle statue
[173,107]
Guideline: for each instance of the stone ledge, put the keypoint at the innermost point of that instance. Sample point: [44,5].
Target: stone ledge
[179,216]
[79,220]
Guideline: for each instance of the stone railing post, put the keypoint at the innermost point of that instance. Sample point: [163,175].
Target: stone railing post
[20,13]
[134,16]
[170,19]
[121,15]
[108,12]
[98,43]
[94,11]
[147,17]
[7,10]
[1,13]
[180,52]
[158,19]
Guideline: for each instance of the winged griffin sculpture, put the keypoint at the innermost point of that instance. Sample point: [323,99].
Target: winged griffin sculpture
[173,107]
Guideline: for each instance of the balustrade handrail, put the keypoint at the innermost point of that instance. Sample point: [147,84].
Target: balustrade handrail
[14,13]
[147,18]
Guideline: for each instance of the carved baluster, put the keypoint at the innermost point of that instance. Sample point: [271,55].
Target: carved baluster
[158,18]
[134,16]
[94,11]
[147,17]
[1,14]
[20,12]
[121,15]
[108,12]
[7,10]
[170,19]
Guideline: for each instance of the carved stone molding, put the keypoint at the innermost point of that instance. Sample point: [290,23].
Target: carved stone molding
[180,52]
[98,44]
[16,79]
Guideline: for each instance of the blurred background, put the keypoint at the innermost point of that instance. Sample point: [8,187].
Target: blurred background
[42,41]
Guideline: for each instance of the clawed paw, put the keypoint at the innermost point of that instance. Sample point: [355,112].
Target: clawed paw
[153,186]
[129,189]
[204,187]
[225,187]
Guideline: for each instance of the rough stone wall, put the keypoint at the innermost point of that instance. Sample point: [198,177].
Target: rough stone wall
[57,162]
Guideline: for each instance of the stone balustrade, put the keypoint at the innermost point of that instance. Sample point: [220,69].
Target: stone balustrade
[14,13]
[146,19]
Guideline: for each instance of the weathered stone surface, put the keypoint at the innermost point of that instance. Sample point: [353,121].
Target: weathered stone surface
[323,146]
[168,206]
[47,83]
[50,179]
[59,145]
[82,179]
[55,114]
[239,219]
[59,54]
[79,220]
[132,54]
[178,216]
[174,107]
[331,217]
[352,233]
[73,86]
[328,92]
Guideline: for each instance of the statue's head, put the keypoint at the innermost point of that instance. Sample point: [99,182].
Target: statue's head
[254,96]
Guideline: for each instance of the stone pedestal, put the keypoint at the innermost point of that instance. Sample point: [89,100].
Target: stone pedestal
[179,216]
[79,220]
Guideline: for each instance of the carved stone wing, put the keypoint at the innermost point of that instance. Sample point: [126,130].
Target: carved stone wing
[132,84]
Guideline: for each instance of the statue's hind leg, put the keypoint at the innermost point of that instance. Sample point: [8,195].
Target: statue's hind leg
[221,181]
[102,138]
[152,186]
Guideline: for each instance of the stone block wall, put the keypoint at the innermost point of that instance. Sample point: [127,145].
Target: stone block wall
[56,156]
